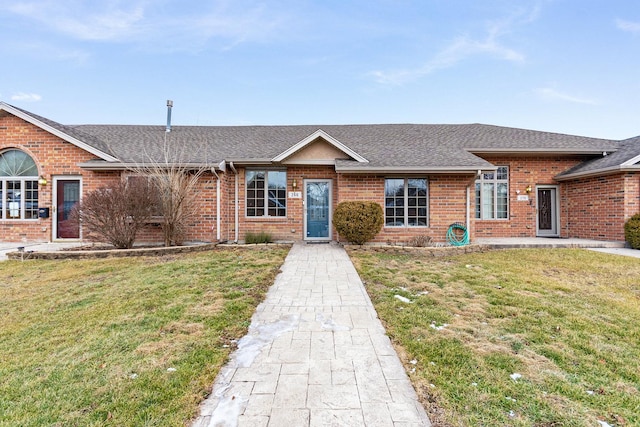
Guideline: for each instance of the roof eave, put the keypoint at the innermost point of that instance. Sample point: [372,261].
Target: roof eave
[58,133]
[120,166]
[598,172]
[415,169]
[539,151]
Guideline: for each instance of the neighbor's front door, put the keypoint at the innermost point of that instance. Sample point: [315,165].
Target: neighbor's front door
[67,194]
[547,212]
[317,217]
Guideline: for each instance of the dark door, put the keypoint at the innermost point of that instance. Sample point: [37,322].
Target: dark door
[67,195]
[547,212]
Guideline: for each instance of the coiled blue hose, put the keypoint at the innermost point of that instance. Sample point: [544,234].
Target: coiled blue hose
[454,238]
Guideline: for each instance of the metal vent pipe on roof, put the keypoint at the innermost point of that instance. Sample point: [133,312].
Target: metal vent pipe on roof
[169,106]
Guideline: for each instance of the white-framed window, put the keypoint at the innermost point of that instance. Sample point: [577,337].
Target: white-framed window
[492,194]
[18,186]
[266,193]
[406,202]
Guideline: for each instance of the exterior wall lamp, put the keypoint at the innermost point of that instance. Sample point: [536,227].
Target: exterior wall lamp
[294,184]
[42,180]
[528,189]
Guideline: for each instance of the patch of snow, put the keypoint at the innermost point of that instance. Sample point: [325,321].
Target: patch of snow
[403,299]
[515,376]
[413,362]
[250,346]
[228,411]
[329,324]
[438,328]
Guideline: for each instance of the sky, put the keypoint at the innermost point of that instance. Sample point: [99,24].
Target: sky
[567,66]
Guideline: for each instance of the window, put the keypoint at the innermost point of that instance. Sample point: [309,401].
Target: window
[492,194]
[18,186]
[266,193]
[405,201]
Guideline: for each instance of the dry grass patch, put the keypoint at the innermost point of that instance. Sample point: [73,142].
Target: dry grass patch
[127,341]
[565,320]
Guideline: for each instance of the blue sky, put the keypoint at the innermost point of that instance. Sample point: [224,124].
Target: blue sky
[569,66]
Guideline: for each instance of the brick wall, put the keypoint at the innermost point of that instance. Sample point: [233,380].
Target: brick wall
[527,171]
[447,204]
[598,207]
[54,158]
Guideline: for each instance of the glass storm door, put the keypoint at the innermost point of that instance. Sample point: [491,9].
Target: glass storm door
[547,213]
[67,195]
[317,209]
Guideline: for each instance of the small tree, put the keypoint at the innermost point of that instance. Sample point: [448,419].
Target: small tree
[632,231]
[115,213]
[358,222]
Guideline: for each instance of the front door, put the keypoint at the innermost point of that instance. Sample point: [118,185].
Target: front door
[317,217]
[547,212]
[67,194]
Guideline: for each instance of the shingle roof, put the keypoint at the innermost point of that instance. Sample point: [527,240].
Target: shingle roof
[390,146]
[627,156]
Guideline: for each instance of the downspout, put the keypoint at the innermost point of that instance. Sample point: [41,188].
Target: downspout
[237,189]
[218,236]
[468,219]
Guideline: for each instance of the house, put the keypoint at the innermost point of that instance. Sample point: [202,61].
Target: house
[286,180]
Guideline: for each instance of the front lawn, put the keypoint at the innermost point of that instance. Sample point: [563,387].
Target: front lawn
[515,338]
[127,341]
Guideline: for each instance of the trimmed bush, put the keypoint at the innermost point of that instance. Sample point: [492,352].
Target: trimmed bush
[261,237]
[632,231]
[358,222]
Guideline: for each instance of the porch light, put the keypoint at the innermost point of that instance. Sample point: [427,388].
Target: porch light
[42,180]
[294,184]
[528,189]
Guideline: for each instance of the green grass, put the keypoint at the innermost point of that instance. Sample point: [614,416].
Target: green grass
[568,321]
[90,342]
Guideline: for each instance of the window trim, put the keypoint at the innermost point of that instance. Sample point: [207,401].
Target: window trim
[406,206]
[478,195]
[5,208]
[266,195]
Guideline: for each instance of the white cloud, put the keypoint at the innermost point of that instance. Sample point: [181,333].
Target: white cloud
[463,47]
[153,23]
[554,95]
[26,97]
[632,27]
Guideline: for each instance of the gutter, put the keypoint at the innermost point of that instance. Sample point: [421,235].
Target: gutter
[237,207]
[597,172]
[417,170]
[218,236]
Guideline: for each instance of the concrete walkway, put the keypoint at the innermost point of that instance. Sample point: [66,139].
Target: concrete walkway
[315,355]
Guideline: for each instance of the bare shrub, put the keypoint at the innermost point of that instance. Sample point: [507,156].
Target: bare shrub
[115,213]
[420,241]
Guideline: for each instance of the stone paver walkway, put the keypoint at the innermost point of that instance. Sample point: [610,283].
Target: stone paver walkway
[315,355]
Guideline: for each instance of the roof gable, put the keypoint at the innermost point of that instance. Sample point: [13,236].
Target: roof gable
[61,131]
[313,140]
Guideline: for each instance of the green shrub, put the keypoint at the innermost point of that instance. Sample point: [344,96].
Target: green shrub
[261,237]
[358,222]
[632,231]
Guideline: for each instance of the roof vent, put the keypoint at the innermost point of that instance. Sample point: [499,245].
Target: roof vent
[169,106]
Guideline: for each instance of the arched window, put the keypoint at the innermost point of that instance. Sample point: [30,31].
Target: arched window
[18,186]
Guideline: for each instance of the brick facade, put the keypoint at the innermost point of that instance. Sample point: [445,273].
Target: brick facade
[593,208]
